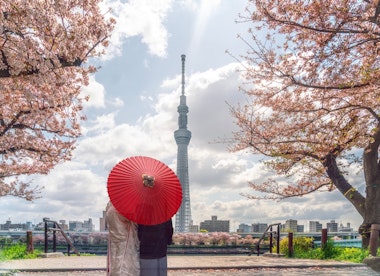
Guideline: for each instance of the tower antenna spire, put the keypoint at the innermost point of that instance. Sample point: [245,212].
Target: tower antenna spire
[183,58]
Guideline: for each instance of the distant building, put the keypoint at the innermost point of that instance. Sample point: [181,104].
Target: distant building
[63,225]
[244,228]
[291,226]
[343,228]
[88,225]
[103,223]
[300,228]
[193,228]
[79,226]
[315,226]
[215,225]
[9,226]
[29,225]
[39,227]
[75,226]
[332,226]
[259,227]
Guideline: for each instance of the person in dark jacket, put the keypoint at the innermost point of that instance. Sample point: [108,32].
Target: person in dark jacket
[154,241]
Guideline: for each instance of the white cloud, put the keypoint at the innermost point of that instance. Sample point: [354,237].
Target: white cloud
[143,18]
[116,102]
[96,93]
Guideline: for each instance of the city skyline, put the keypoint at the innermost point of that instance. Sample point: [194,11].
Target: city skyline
[133,111]
[95,222]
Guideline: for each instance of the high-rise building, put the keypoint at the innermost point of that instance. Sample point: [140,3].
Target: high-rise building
[63,225]
[79,226]
[88,225]
[103,223]
[75,226]
[332,226]
[215,225]
[244,228]
[193,228]
[343,228]
[315,226]
[259,227]
[13,226]
[300,228]
[291,225]
[182,137]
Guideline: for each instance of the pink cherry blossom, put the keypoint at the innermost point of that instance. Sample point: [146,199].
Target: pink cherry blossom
[44,46]
[312,80]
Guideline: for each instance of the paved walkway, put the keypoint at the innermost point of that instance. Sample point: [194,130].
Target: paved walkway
[183,262]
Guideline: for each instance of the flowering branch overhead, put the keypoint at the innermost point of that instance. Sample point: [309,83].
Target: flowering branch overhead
[44,47]
[314,71]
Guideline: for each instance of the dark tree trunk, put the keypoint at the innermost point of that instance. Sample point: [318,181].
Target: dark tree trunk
[372,180]
[340,182]
[364,231]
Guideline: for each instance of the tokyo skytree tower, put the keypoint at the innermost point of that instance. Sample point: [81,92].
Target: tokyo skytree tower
[182,137]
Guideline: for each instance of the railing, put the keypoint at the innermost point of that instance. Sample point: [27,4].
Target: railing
[273,235]
[342,243]
[57,228]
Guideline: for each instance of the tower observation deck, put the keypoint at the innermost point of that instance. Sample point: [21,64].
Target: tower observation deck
[182,137]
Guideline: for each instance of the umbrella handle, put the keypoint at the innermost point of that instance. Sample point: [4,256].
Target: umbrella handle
[148,180]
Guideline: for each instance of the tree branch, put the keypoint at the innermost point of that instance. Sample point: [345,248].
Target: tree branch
[5,73]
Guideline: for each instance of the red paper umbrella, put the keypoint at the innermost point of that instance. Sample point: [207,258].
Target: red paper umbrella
[144,190]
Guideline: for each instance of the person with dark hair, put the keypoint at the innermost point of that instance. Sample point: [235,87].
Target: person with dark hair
[154,241]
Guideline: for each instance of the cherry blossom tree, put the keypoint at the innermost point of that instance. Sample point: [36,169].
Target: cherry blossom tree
[313,80]
[44,45]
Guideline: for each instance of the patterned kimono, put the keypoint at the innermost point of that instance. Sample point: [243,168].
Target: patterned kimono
[123,245]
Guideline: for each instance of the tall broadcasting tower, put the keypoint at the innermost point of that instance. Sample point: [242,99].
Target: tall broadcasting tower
[182,138]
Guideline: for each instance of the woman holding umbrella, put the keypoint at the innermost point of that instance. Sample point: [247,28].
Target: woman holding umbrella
[146,192]
[123,245]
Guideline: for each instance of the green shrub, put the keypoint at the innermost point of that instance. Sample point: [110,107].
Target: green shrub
[300,246]
[328,251]
[356,255]
[17,251]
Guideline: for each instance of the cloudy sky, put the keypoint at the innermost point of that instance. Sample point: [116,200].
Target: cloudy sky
[133,111]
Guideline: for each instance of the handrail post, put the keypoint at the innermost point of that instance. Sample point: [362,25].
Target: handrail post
[29,242]
[290,244]
[324,238]
[278,238]
[54,239]
[46,236]
[270,240]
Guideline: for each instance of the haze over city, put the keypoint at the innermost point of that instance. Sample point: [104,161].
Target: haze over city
[133,111]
